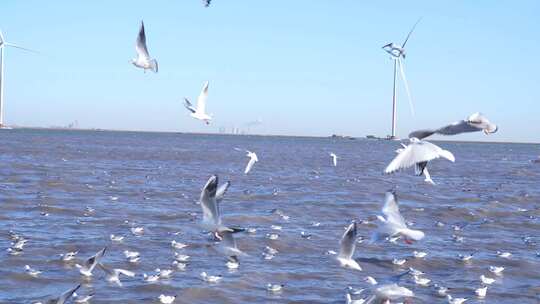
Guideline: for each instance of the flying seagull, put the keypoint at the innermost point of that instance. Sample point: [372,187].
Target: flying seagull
[348,245]
[419,168]
[418,153]
[143,59]
[474,123]
[64,297]
[206,3]
[200,111]
[334,158]
[113,274]
[228,243]
[393,224]
[210,207]
[91,263]
[252,160]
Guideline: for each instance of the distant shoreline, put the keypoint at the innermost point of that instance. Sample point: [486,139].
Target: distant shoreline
[339,138]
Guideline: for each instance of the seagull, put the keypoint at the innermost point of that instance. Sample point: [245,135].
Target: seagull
[200,111]
[455,300]
[349,300]
[210,207]
[228,243]
[474,123]
[166,299]
[209,278]
[419,254]
[178,245]
[151,278]
[496,270]
[418,153]
[486,280]
[90,264]
[348,245]
[164,273]
[64,297]
[505,255]
[132,256]
[393,223]
[32,272]
[66,257]
[371,280]
[389,292]
[252,160]
[143,59]
[82,300]
[481,292]
[206,3]
[421,281]
[116,238]
[274,287]
[232,262]
[137,231]
[334,158]
[113,274]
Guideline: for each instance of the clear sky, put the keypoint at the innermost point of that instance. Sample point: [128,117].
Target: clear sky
[305,67]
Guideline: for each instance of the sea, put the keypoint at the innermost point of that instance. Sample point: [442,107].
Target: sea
[69,190]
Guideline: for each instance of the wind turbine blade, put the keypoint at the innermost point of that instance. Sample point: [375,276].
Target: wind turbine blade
[409,35]
[402,72]
[20,47]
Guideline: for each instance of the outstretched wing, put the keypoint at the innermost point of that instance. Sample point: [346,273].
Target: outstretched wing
[416,152]
[92,261]
[66,295]
[140,45]
[348,242]
[458,127]
[391,210]
[201,100]
[208,200]
[220,192]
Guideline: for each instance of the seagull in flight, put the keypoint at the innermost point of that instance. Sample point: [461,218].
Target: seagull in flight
[206,3]
[474,123]
[334,158]
[389,292]
[210,207]
[418,153]
[348,245]
[90,264]
[393,224]
[199,112]
[64,297]
[252,160]
[143,59]
[113,274]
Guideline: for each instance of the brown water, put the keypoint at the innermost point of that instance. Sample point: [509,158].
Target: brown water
[493,190]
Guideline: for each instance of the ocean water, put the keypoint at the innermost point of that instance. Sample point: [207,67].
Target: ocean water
[48,179]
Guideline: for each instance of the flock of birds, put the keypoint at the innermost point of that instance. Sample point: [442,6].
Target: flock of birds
[391,227]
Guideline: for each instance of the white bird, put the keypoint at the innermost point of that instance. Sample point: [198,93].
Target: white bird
[481,292]
[228,243]
[64,297]
[82,299]
[474,123]
[465,258]
[210,278]
[334,158]
[89,265]
[399,262]
[421,281]
[164,273]
[178,245]
[199,112]
[116,238]
[143,59]
[166,299]
[371,280]
[222,190]
[452,300]
[252,160]
[505,255]
[132,256]
[486,280]
[211,215]
[151,278]
[441,290]
[349,300]
[138,231]
[32,272]
[418,153]
[496,269]
[348,245]
[113,274]
[389,292]
[206,3]
[181,257]
[66,257]
[419,254]
[393,224]
[232,262]
[274,287]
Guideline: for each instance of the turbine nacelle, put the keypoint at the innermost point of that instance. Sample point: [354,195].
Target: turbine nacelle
[395,50]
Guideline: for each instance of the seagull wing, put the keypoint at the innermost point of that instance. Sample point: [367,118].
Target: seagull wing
[220,192]
[391,210]
[201,100]
[348,242]
[421,134]
[189,106]
[410,33]
[140,45]
[208,201]
[66,295]
[250,164]
[94,260]
[418,151]
[458,127]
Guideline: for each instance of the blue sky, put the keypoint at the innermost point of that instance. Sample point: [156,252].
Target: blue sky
[305,67]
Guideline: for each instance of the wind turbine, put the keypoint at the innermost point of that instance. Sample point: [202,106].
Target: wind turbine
[397,52]
[3,44]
